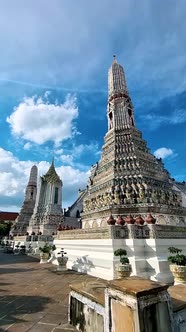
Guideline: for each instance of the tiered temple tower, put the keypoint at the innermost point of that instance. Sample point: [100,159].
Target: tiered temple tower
[27,209]
[48,208]
[128,179]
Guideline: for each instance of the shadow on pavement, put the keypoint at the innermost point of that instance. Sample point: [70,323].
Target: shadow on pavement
[14,259]
[14,270]
[24,310]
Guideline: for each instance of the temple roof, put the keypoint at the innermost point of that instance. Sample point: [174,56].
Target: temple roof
[7,216]
[51,175]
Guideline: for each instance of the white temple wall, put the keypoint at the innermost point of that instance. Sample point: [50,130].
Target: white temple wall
[59,195]
[48,198]
[35,244]
[148,257]
[94,257]
[78,206]
[156,251]
[50,193]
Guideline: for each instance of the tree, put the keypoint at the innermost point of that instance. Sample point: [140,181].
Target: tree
[5,228]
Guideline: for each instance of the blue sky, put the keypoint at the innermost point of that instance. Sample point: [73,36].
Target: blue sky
[54,62]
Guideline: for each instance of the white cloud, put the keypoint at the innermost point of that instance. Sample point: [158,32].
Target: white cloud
[163,153]
[27,146]
[14,175]
[58,151]
[73,154]
[38,121]
[156,120]
[80,62]
[84,148]
[179,116]
[67,159]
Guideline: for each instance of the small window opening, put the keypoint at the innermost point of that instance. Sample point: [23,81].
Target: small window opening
[56,196]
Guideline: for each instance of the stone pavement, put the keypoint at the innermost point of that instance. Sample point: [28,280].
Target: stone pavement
[32,297]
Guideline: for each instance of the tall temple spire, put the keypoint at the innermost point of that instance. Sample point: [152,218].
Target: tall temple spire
[27,209]
[128,177]
[120,109]
[32,183]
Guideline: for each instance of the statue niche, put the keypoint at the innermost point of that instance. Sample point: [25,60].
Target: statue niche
[110,120]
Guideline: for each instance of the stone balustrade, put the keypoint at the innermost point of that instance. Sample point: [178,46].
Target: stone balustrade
[127,305]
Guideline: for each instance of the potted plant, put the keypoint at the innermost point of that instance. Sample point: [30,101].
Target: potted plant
[17,248]
[62,260]
[124,268]
[22,249]
[178,264]
[45,253]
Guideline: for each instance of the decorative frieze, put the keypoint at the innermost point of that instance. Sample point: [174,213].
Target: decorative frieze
[128,231]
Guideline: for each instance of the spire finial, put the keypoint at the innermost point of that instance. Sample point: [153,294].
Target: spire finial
[114,58]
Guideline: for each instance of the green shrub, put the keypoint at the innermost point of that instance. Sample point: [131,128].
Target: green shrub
[178,259]
[124,260]
[122,252]
[46,249]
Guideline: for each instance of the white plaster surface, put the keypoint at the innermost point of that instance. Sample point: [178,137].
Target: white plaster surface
[148,257]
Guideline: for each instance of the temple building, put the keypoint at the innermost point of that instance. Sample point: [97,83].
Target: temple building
[72,215]
[128,179]
[131,202]
[48,212]
[22,221]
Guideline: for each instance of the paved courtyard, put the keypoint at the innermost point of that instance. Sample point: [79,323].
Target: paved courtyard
[32,297]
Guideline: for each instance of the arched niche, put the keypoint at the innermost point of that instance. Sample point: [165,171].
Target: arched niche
[172,220]
[94,224]
[161,220]
[85,225]
[103,223]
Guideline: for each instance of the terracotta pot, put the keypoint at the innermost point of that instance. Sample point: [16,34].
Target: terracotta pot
[123,270]
[111,220]
[120,221]
[150,219]
[179,273]
[129,219]
[139,220]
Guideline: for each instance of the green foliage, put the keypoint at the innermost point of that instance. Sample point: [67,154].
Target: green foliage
[178,259]
[5,228]
[53,247]
[122,252]
[46,249]
[124,260]
[174,250]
